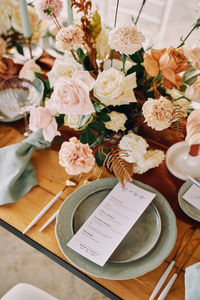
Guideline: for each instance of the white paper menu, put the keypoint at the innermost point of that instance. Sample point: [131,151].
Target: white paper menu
[192,196]
[103,231]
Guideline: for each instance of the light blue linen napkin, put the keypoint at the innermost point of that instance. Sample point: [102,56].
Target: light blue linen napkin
[17,174]
[192,282]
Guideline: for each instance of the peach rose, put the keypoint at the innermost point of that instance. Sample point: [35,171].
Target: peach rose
[71,95]
[76,157]
[40,117]
[169,62]
[193,91]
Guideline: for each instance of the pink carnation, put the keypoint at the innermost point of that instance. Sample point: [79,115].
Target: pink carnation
[126,39]
[40,117]
[76,157]
[69,38]
[55,6]
[71,95]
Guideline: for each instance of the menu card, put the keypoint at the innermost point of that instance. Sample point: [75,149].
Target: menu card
[103,231]
[193,196]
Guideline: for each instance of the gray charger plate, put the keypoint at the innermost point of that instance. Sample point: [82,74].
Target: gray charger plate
[188,208]
[111,270]
[140,239]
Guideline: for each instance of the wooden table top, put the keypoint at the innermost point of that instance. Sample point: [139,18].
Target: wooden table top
[51,177]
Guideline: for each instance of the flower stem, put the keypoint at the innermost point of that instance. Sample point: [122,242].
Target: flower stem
[55,20]
[123,56]
[195,26]
[139,13]
[181,97]
[115,22]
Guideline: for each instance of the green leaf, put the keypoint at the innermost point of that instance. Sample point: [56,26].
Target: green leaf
[60,119]
[87,137]
[87,63]
[81,55]
[100,157]
[19,49]
[190,76]
[137,57]
[58,139]
[97,107]
[83,120]
[47,89]
[139,69]
[104,117]
[97,126]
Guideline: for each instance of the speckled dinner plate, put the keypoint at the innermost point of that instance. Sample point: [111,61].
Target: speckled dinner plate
[66,222]
[188,208]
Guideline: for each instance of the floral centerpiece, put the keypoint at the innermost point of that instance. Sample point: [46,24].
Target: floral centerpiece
[104,84]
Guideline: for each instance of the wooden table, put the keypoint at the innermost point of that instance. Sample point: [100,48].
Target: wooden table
[51,177]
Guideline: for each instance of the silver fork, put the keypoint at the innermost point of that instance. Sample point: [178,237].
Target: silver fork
[95,174]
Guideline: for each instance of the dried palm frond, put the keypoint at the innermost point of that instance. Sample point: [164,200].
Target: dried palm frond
[176,116]
[115,163]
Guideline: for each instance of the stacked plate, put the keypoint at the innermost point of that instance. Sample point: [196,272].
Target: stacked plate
[143,249]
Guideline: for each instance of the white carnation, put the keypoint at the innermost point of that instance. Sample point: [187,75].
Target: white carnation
[117,121]
[135,146]
[151,159]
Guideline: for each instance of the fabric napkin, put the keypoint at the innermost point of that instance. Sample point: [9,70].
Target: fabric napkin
[17,174]
[192,282]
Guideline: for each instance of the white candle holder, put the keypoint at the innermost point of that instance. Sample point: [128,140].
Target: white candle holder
[180,163]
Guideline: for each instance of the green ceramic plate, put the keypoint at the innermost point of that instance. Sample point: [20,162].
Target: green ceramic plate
[189,209]
[140,239]
[112,270]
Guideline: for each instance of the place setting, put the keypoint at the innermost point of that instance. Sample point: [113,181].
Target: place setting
[145,246]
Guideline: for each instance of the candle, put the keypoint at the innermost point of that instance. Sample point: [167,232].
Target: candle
[70,14]
[25,19]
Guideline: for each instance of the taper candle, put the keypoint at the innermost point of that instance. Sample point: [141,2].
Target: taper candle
[70,13]
[25,19]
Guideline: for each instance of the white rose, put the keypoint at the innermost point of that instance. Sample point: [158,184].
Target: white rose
[135,146]
[193,54]
[113,88]
[102,46]
[64,68]
[117,121]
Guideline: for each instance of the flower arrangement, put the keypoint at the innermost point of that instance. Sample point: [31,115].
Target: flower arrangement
[104,84]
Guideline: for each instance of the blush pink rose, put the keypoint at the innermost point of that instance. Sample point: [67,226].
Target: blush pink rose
[40,117]
[76,157]
[71,95]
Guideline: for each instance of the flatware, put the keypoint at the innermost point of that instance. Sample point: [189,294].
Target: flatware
[44,210]
[96,174]
[175,275]
[169,268]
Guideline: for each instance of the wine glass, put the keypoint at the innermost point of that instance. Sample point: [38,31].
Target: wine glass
[19,95]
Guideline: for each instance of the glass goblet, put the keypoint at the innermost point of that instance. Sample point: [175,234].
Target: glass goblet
[20,95]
